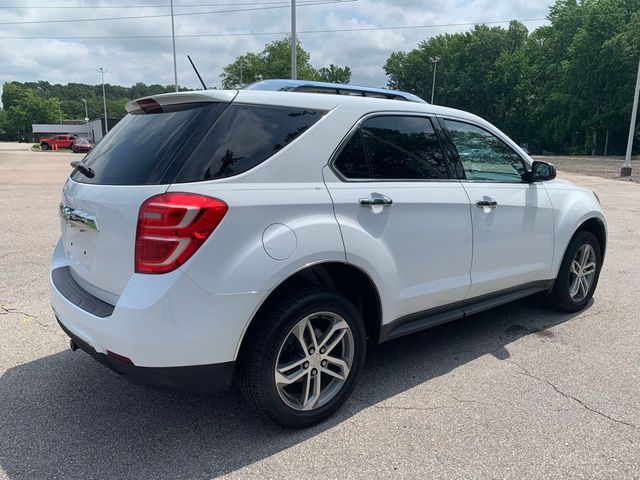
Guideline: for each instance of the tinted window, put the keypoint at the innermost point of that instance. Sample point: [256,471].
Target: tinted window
[243,137]
[483,155]
[142,147]
[352,161]
[404,148]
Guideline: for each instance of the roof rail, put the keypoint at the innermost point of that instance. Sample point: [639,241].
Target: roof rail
[310,86]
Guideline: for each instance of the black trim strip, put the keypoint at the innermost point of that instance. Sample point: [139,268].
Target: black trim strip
[77,295]
[416,322]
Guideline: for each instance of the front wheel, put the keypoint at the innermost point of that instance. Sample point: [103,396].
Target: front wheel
[579,273]
[44,146]
[302,362]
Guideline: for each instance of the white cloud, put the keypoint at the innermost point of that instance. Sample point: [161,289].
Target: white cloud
[150,60]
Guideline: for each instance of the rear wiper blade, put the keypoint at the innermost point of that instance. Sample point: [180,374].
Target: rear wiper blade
[83,169]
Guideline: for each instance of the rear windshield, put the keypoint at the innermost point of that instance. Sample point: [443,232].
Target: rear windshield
[192,142]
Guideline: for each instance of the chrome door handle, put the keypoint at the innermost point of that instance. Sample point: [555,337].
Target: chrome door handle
[490,202]
[375,199]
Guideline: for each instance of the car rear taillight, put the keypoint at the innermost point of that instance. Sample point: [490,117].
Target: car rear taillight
[171,228]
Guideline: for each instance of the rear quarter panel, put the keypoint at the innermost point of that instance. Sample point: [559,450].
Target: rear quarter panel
[235,260]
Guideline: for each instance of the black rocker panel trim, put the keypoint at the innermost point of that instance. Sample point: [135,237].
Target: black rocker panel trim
[416,322]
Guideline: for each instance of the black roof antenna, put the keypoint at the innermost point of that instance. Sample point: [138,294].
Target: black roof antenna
[197,73]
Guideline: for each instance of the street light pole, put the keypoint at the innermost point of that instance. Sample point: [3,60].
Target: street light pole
[86,110]
[294,43]
[60,112]
[435,61]
[626,168]
[173,40]
[86,115]
[104,100]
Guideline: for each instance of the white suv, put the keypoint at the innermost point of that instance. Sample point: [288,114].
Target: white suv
[266,236]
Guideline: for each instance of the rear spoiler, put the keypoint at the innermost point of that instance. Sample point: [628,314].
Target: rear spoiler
[177,98]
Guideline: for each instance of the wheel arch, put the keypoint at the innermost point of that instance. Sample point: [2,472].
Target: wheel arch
[592,224]
[344,278]
[599,230]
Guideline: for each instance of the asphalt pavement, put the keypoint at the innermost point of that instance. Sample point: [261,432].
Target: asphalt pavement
[518,392]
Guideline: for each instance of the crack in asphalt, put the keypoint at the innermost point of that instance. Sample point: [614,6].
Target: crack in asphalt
[569,396]
[5,311]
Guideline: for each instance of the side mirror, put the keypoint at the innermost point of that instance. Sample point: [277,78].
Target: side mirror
[542,171]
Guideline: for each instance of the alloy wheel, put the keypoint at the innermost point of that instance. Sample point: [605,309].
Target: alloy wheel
[582,272]
[314,361]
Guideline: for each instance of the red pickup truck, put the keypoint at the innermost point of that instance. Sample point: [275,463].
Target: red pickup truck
[60,141]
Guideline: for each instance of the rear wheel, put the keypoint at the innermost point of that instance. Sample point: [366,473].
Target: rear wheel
[302,362]
[44,146]
[579,273]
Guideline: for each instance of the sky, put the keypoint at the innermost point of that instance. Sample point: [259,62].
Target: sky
[150,60]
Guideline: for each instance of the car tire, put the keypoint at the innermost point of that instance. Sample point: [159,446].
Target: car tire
[579,273]
[275,352]
[44,146]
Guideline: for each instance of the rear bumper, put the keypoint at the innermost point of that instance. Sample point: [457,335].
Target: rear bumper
[209,378]
[174,332]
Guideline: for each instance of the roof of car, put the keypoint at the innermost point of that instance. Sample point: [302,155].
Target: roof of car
[320,101]
[283,85]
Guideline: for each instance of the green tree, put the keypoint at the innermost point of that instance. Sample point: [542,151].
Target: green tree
[25,107]
[37,102]
[475,71]
[275,62]
[334,74]
[565,87]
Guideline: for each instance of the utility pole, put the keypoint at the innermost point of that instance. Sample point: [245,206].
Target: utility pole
[626,168]
[435,61]
[294,42]
[60,112]
[173,40]
[104,100]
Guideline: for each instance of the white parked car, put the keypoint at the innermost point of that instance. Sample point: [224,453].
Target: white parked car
[267,236]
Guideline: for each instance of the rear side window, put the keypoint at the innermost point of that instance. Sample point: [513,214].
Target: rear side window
[352,161]
[143,147]
[396,147]
[243,137]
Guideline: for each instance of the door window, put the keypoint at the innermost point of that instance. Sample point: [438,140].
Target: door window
[393,147]
[483,155]
[403,148]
